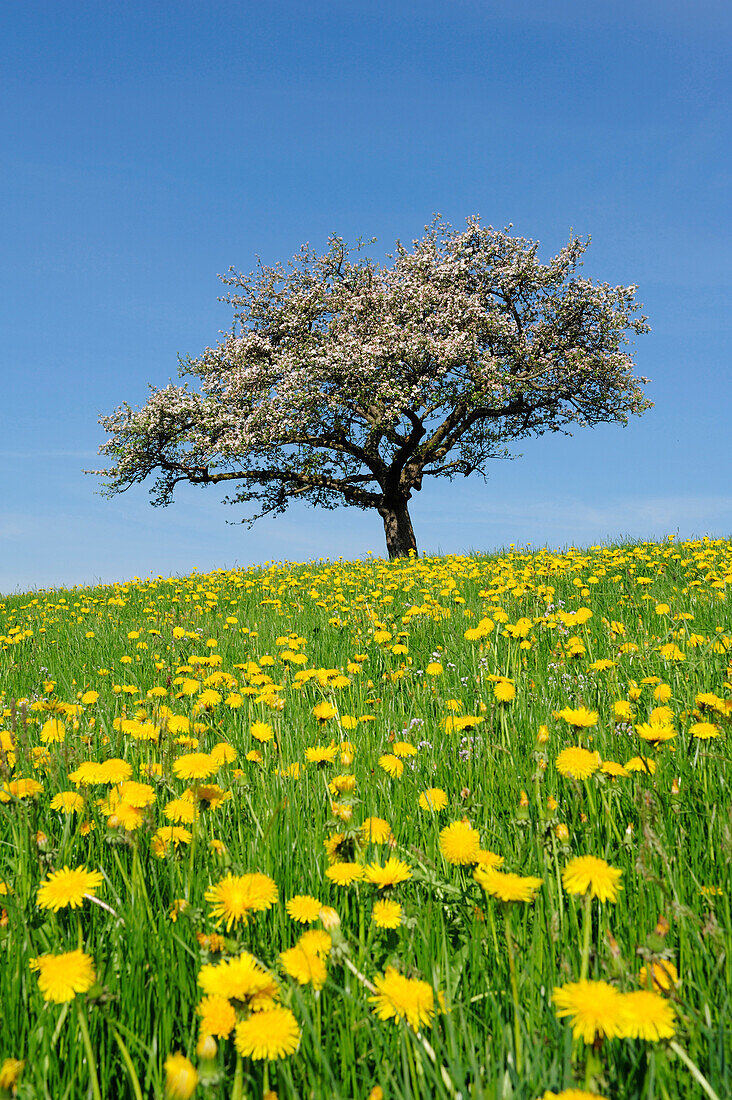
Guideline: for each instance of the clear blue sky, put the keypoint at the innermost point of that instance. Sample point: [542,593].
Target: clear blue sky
[149,146]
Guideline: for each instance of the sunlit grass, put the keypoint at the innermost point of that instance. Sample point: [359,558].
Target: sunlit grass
[252,721]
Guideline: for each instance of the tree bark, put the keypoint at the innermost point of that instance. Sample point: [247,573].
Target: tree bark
[398,529]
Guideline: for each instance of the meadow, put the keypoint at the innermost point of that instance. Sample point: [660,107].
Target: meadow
[452,827]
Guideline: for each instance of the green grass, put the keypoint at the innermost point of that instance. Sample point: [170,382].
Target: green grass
[669,833]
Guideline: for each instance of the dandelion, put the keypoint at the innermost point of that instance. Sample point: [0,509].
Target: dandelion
[661,975]
[387,914]
[324,710]
[218,1016]
[53,731]
[181,811]
[306,967]
[392,765]
[589,874]
[392,873]
[613,769]
[655,732]
[640,764]
[577,763]
[10,1072]
[460,843]
[506,886]
[68,887]
[504,691]
[316,940]
[321,754]
[344,874]
[236,896]
[594,1009]
[69,802]
[241,978]
[647,1015]
[61,977]
[195,765]
[270,1034]
[401,998]
[703,731]
[303,908]
[433,800]
[181,1077]
[261,731]
[581,718]
[376,830]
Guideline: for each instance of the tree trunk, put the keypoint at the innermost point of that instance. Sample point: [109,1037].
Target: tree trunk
[398,529]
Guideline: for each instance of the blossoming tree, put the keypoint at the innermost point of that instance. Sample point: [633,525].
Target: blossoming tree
[344,382]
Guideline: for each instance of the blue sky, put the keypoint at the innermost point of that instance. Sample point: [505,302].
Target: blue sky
[148,146]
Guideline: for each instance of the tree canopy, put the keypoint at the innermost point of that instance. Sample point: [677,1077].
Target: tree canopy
[347,382]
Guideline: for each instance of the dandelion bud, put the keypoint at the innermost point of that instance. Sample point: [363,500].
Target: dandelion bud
[206,1047]
[561,832]
[329,918]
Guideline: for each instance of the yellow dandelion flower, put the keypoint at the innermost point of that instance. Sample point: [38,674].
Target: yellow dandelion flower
[236,896]
[181,1077]
[181,811]
[306,967]
[460,843]
[655,731]
[241,978]
[647,1015]
[344,874]
[195,765]
[68,887]
[577,763]
[52,731]
[594,1009]
[391,764]
[403,748]
[61,977]
[69,802]
[303,908]
[433,800]
[613,769]
[10,1072]
[571,1094]
[223,753]
[504,691]
[323,711]
[487,859]
[376,830]
[261,731]
[704,731]
[392,873]
[387,914]
[661,975]
[270,1034]
[316,940]
[581,718]
[401,998]
[138,795]
[640,764]
[590,874]
[218,1016]
[506,886]
[321,754]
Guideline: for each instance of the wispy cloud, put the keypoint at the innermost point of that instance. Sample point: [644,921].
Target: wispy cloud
[571,518]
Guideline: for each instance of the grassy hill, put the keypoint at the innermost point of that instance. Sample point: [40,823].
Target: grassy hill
[450,827]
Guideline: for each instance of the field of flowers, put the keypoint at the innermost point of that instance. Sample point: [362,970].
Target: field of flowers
[440,827]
